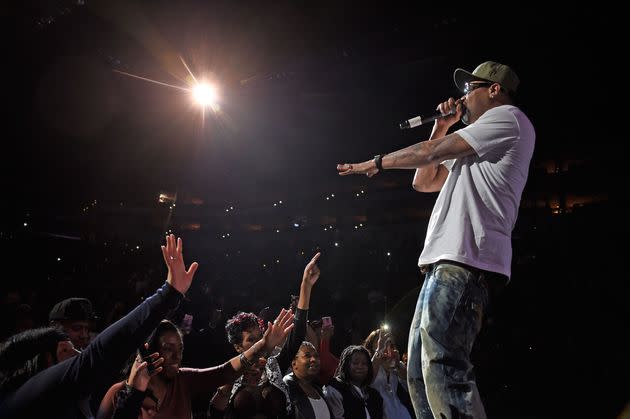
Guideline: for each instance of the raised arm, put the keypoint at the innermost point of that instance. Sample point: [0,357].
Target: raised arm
[202,381]
[379,355]
[177,276]
[297,336]
[98,365]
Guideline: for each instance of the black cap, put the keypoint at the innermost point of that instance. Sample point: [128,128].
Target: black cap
[73,309]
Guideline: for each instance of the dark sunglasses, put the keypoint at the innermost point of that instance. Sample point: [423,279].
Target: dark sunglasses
[469,87]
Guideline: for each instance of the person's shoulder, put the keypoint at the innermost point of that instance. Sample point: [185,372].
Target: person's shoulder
[502,111]
[292,385]
[337,383]
[289,379]
[331,390]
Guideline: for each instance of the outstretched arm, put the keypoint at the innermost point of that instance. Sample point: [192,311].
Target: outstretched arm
[297,336]
[418,155]
[205,380]
[309,278]
[421,155]
[61,385]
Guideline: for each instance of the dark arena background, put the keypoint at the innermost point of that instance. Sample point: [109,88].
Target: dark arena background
[105,151]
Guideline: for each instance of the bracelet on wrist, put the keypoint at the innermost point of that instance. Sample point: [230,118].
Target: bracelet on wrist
[378,161]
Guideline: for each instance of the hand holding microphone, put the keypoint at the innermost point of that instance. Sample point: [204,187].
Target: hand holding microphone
[444,110]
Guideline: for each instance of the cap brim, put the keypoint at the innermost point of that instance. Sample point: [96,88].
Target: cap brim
[461,77]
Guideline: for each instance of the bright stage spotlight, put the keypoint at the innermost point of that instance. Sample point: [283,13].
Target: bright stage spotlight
[205,95]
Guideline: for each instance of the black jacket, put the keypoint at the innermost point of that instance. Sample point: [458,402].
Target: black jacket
[300,405]
[354,405]
[275,374]
[57,389]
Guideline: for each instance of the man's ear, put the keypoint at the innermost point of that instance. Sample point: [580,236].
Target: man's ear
[239,348]
[495,89]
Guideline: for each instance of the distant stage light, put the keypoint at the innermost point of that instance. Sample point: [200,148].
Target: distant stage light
[205,95]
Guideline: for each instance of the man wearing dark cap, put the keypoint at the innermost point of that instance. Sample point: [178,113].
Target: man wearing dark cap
[61,389]
[74,316]
[480,172]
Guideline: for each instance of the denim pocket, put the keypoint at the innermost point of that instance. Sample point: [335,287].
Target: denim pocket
[454,307]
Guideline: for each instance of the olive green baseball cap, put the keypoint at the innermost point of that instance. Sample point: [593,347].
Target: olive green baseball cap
[488,71]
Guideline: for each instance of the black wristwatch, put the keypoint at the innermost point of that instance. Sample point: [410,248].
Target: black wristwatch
[378,159]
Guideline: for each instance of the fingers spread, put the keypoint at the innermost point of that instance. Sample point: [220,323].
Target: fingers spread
[286,321]
[192,269]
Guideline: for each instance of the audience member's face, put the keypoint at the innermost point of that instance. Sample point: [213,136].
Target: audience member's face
[359,364]
[79,333]
[306,363]
[171,348]
[250,336]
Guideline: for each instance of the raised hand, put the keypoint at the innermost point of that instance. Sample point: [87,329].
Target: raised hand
[381,343]
[178,276]
[139,375]
[449,119]
[311,271]
[327,332]
[277,331]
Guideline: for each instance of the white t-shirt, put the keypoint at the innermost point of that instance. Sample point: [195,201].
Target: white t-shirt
[393,408]
[475,212]
[320,408]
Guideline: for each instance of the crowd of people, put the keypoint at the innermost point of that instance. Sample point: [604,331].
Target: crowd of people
[269,365]
[133,368]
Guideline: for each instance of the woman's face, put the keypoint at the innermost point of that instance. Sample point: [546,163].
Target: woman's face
[250,337]
[171,348]
[359,366]
[306,363]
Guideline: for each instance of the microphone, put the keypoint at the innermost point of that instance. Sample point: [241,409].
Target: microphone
[420,120]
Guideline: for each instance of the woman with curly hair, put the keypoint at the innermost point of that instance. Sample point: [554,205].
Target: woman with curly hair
[261,392]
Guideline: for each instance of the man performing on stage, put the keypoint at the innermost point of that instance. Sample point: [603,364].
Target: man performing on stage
[480,172]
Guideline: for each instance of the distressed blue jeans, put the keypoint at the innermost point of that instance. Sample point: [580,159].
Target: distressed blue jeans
[448,317]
